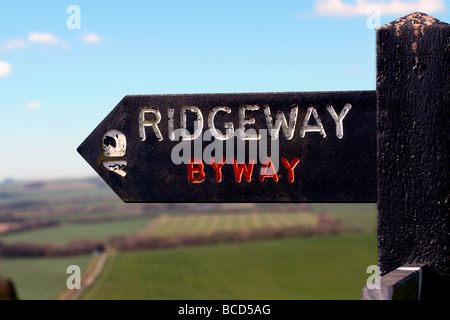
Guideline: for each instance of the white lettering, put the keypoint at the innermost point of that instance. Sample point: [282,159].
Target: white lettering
[198,124]
[149,123]
[280,121]
[311,128]
[338,120]
[243,121]
[228,125]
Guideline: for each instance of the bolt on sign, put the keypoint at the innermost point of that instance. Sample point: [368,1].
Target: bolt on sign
[246,147]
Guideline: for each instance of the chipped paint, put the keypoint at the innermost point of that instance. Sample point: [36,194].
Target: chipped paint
[417,20]
[116,166]
[398,32]
[114,143]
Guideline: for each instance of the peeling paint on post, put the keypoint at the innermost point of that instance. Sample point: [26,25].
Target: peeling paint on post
[114,145]
[413,113]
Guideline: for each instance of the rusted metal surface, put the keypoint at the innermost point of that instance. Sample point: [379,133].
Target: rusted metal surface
[327,147]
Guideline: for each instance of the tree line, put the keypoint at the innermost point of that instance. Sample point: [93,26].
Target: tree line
[326,225]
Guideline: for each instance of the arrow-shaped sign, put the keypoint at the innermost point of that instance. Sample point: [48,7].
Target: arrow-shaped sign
[249,147]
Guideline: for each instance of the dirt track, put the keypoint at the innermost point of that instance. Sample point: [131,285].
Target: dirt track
[92,272]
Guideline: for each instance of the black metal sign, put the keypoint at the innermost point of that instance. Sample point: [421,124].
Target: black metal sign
[249,147]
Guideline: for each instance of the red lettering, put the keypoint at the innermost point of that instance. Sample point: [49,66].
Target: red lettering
[218,168]
[198,170]
[290,167]
[242,168]
[265,171]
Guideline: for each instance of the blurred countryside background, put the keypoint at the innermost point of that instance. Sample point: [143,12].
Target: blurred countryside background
[59,80]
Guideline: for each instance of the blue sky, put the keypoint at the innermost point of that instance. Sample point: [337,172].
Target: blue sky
[57,84]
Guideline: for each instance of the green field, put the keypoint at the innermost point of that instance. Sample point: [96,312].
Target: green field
[65,233]
[40,278]
[362,215]
[327,267]
[331,267]
[207,223]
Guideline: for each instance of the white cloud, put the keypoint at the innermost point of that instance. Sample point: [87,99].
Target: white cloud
[14,44]
[44,37]
[32,105]
[393,7]
[90,38]
[5,69]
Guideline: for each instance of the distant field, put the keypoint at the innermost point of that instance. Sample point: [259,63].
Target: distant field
[249,270]
[327,267]
[68,232]
[206,223]
[40,278]
[363,215]
[57,190]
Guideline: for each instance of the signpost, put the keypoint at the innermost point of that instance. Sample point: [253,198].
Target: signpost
[390,146]
[413,121]
[255,147]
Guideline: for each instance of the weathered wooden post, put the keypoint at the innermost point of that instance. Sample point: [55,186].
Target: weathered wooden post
[413,114]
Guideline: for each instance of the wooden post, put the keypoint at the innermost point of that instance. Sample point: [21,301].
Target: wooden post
[413,108]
